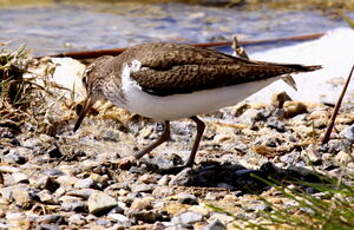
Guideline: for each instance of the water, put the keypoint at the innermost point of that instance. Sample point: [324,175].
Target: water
[54,28]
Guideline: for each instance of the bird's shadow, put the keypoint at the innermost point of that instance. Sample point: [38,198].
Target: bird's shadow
[236,177]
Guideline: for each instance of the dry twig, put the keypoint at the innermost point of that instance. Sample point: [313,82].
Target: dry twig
[336,109]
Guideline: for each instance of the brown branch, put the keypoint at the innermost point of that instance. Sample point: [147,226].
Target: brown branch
[336,109]
[117,51]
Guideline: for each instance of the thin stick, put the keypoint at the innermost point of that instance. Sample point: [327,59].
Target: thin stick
[336,109]
[117,51]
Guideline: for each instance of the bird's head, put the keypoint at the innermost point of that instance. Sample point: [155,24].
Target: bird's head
[93,79]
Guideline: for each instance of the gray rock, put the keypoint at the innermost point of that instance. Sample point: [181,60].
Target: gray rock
[215,225]
[119,218]
[77,219]
[187,218]
[182,178]
[84,183]
[150,216]
[14,158]
[348,133]
[187,198]
[142,188]
[76,206]
[82,193]
[51,219]
[49,227]
[45,196]
[19,177]
[100,203]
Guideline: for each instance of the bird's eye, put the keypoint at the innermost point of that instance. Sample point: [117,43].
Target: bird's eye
[84,79]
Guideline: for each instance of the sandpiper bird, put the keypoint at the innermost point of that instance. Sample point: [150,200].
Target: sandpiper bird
[168,81]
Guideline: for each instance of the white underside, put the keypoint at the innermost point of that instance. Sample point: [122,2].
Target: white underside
[178,106]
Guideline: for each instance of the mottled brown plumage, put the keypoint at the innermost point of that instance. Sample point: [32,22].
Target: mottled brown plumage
[176,68]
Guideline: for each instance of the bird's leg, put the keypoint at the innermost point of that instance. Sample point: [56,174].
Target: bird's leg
[190,161]
[164,137]
[200,130]
[238,50]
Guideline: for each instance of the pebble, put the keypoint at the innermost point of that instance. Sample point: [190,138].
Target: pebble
[348,133]
[84,183]
[100,203]
[49,227]
[22,197]
[14,158]
[19,177]
[45,196]
[67,180]
[76,219]
[141,204]
[164,180]
[293,108]
[147,216]
[215,225]
[120,218]
[187,218]
[187,198]
[76,206]
[182,178]
[9,169]
[343,158]
[141,188]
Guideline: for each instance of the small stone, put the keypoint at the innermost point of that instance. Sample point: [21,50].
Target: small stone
[49,227]
[142,204]
[182,178]
[22,197]
[164,180]
[348,133]
[100,203]
[45,196]
[293,108]
[163,191]
[19,177]
[51,219]
[84,183]
[187,218]
[150,216]
[53,172]
[276,124]
[221,217]
[120,218]
[141,188]
[8,169]
[82,193]
[186,198]
[312,155]
[215,225]
[76,206]
[343,158]
[77,219]
[14,158]
[67,180]
[147,179]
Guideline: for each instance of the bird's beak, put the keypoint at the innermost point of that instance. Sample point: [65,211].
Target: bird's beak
[87,105]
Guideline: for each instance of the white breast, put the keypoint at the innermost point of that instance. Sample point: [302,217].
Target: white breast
[178,106]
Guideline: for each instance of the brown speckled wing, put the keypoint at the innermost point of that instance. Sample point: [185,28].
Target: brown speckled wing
[171,68]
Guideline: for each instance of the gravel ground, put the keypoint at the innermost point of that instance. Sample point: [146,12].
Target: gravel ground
[52,178]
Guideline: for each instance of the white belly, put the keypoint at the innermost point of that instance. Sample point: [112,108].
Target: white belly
[178,106]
